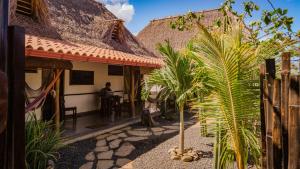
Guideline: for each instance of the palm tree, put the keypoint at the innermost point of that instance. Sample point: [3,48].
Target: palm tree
[175,79]
[230,63]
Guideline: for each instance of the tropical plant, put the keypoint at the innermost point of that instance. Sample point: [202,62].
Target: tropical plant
[42,143]
[175,79]
[230,63]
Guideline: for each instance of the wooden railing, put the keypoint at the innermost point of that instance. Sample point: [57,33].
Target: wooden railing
[280,116]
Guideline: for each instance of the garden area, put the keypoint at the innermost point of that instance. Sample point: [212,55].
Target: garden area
[216,84]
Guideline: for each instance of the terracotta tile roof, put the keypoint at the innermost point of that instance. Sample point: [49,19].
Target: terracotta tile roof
[50,48]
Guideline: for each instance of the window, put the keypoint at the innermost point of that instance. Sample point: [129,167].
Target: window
[114,70]
[81,77]
[24,7]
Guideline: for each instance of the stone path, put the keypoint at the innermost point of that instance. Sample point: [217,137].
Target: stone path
[118,148]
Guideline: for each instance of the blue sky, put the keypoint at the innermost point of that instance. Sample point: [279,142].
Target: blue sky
[138,13]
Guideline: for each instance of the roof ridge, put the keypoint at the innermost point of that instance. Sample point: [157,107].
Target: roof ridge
[176,16]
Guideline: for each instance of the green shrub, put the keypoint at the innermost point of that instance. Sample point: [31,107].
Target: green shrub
[42,143]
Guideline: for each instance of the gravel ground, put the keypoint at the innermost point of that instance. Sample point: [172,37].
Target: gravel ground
[158,157]
[84,155]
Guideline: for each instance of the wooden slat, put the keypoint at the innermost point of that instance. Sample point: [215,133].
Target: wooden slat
[276,126]
[270,73]
[24,7]
[262,73]
[285,80]
[294,124]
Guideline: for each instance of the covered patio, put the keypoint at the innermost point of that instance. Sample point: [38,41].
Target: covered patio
[79,72]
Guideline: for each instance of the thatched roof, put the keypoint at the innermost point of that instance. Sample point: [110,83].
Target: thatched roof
[159,30]
[82,21]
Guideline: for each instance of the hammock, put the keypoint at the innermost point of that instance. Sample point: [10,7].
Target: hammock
[36,92]
[33,93]
[40,99]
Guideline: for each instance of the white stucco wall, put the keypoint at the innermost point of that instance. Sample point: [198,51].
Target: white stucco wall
[85,103]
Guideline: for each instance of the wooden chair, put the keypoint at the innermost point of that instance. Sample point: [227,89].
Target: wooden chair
[69,109]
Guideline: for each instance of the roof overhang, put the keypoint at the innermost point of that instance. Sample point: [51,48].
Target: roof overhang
[56,49]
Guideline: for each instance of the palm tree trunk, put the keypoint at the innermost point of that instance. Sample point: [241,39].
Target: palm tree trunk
[240,161]
[181,130]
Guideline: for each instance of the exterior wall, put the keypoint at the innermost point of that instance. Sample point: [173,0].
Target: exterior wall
[34,80]
[89,102]
[81,96]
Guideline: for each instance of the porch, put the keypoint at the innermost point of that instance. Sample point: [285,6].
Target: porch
[76,77]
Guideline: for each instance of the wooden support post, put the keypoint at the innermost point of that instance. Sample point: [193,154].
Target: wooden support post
[294,124]
[262,73]
[270,72]
[276,130]
[132,92]
[285,80]
[3,66]
[16,101]
[57,104]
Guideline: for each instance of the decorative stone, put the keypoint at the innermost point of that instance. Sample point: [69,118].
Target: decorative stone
[115,143]
[125,149]
[105,155]
[116,131]
[90,156]
[101,143]
[135,138]
[122,161]
[105,164]
[88,165]
[187,158]
[122,135]
[175,157]
[101,149]
[113,137]
[172,150]
[100,137]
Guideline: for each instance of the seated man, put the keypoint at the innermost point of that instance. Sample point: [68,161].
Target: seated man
[110,103]
[106,92]
[106,96]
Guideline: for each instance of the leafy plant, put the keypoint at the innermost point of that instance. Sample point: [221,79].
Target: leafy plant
[175,79]
[42,143]
[230,63]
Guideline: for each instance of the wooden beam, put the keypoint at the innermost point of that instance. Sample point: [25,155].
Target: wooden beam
[294,124]
[276,126]
[262,73]
[270,72]
[3,65]
[132,92]
[16,101]
[285,80]
[57,103]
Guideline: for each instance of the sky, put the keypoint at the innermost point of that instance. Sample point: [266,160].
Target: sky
[138,13]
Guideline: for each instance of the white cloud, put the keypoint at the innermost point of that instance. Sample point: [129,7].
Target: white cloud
[121,8]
